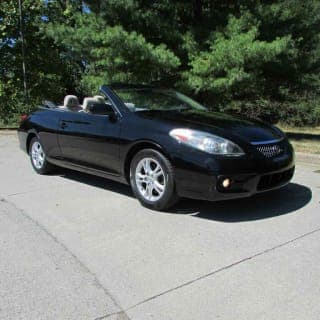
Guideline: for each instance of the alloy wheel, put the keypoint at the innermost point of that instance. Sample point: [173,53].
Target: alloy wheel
[150,179]
[37,154]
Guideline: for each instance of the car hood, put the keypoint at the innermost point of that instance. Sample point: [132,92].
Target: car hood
[218,123]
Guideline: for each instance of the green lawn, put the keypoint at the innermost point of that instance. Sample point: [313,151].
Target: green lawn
[308,130]
[306,146]
[309,143]
[12,124]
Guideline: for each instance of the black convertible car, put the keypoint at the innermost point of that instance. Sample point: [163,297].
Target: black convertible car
[162,143]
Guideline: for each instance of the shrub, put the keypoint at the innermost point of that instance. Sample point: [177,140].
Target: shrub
[297,113]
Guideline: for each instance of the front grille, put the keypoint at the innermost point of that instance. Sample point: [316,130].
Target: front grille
[273,180]
[270,150]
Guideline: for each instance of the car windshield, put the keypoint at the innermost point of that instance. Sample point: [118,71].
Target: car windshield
[144,99]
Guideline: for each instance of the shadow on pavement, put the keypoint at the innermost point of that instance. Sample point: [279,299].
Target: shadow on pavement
[302,136]
[261,206]
[96,181]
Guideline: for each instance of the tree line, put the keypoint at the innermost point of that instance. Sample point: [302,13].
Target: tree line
[255,58]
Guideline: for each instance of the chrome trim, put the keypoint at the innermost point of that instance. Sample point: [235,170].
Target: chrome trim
[257,143]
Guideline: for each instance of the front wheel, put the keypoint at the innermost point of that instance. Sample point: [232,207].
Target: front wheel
[152,180]
[38,157]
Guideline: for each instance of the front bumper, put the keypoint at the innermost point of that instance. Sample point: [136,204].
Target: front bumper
[201,178]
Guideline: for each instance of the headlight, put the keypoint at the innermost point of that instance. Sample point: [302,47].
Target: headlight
[206,142]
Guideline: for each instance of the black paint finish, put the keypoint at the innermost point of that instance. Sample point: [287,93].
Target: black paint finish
[104,145]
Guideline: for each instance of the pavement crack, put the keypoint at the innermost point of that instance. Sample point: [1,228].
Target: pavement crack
[224,268]
[119,316]
[55,239]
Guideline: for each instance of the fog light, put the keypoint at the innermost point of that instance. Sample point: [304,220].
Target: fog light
[226,183]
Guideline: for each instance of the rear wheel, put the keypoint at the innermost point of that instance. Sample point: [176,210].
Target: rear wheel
[38,157]
[152,180]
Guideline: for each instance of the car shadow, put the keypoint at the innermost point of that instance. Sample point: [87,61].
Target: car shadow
[261,206]
[95,181]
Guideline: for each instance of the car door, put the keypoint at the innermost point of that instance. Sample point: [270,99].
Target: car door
[90,140]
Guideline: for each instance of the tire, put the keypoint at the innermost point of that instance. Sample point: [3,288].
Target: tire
[152,180]
[38,157]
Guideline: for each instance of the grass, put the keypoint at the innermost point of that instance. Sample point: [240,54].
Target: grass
[10,124]
[303,139]
[308,130]
[306,146]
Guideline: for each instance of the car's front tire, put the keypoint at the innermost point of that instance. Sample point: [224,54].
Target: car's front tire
[38,158]
[152,180]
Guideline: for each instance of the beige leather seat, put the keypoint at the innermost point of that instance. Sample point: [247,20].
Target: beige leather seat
[71,103]
[130,106]
[100,99]
[87,102]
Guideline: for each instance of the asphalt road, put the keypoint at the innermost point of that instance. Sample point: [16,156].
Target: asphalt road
[74,246]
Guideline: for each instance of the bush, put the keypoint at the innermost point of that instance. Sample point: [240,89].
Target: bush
[301,113]
[297,113]
[260,109]
[11,110]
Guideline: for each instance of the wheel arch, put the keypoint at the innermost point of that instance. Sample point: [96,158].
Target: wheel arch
[134,149]
[32,134]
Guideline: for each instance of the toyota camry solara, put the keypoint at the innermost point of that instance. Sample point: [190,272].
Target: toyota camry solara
[162,143]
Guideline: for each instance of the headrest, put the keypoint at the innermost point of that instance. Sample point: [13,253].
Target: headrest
[71,101]
[130,106]
[100,99]
[87,102]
